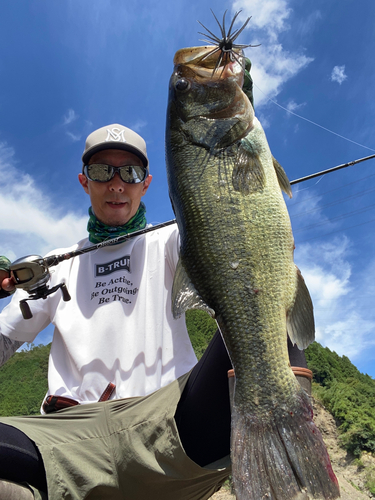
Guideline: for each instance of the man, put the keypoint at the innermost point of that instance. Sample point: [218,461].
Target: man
[128,414]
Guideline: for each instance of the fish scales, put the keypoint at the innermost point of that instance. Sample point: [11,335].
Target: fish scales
[243,253]
[236,262]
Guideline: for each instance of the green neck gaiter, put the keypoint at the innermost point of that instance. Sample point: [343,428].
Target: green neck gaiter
[98,231]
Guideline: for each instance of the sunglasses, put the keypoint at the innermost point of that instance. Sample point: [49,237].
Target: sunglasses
[100,172]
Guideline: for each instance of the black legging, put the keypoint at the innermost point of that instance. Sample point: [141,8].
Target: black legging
[203,414]
[20,460]
[202,417]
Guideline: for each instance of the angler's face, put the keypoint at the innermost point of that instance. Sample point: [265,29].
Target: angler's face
[115,202]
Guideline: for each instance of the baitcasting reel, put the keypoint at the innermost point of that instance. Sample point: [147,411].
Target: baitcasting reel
[31,273]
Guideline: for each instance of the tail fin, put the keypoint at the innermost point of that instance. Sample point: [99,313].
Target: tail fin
[282,457]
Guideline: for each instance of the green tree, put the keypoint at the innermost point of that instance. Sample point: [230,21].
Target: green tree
[201,328]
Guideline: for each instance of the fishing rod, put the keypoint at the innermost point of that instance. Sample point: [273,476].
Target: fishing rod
[333,169]
[31,273]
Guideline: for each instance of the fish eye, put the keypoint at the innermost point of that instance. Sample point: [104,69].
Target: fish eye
[182,85]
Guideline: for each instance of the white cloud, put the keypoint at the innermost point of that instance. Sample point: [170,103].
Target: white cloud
[270,16]
[69,117]
[292,105]
[338,74]
[74,137]
[273,65]
[32,225]
[307,24]
[305,210]
[138,126]
[342,323]
[351,337]
[264,120]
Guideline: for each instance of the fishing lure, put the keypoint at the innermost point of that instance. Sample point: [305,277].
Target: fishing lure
[225,45]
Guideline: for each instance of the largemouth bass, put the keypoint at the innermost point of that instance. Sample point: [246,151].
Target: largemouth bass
[236,262]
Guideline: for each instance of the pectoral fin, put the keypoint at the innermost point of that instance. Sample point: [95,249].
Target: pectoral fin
[248,173]
[300,317]
[185,295]
[282,178]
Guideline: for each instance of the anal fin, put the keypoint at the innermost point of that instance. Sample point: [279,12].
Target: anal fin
[300,317]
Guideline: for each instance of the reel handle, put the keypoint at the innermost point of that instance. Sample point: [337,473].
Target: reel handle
[65,294]
[25,309]
[42,293]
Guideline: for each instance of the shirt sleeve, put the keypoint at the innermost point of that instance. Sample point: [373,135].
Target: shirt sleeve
[15,327]
[173,248]
[12,323]
[7,348]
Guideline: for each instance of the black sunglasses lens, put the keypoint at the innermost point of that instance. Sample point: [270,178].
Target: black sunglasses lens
[131,174]
[99,172]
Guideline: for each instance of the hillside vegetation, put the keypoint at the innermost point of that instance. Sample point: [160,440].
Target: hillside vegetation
[23,381]
[345,392]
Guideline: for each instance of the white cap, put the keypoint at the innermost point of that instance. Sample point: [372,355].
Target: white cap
[115,137]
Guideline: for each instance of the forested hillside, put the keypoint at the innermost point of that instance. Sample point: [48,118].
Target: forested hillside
[345,392]
[23,382]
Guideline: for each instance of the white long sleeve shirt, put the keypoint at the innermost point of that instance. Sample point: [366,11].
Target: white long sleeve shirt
[118,326]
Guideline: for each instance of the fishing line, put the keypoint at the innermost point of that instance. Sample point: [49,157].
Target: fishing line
[304,189]
[336,202]
[337,231]
[338,217]
[294,203]
[313,123]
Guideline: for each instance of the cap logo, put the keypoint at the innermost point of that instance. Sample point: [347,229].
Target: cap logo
[115,134]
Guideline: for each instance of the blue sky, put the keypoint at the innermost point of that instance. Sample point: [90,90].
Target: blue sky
[68,67]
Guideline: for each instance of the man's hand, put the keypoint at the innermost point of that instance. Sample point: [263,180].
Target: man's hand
[7,283]
[7,346]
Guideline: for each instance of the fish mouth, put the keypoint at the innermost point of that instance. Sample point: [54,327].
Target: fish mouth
[199,65]
[203,60]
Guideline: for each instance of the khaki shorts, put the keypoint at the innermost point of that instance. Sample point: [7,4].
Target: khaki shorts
[125,449]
